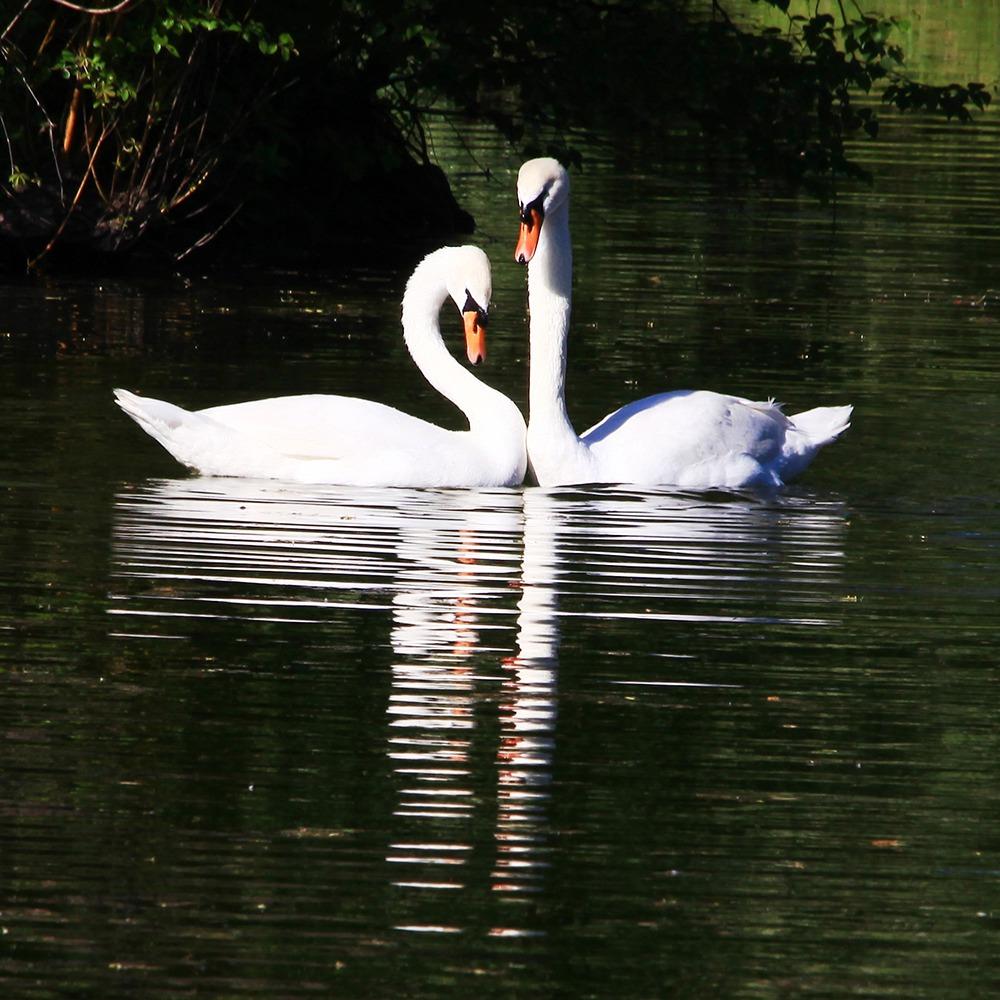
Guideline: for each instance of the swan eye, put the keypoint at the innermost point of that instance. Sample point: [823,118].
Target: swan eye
[534,207]
[472,306]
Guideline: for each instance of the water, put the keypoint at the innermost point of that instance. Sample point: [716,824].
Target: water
[262,740]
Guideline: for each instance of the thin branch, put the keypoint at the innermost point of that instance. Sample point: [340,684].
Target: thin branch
[483,168]
[34,96]
[72,208]
[50,127]
[15,19]
[717,8]
[140,149]
[10,148]
[46,38]
[161,154]
[55,162]
[91,166]
[93,10]
[208,237]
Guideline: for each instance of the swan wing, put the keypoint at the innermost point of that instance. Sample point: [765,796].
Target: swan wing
[691,438]
[327,427]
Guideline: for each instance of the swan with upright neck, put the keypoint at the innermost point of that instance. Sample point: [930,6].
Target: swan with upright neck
[683,438]
[357,442]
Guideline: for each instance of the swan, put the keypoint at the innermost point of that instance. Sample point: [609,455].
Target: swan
[683,438]
[357,442]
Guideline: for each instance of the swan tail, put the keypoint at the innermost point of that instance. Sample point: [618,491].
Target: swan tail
[155,416]
[808,432]
[194,440]
[823,424]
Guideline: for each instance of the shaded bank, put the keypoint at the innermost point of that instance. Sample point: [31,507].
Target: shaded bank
[145,132]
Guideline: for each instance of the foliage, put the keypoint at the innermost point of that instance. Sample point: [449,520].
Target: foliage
[822,63]
[120,117]
[115,116]
[625,69]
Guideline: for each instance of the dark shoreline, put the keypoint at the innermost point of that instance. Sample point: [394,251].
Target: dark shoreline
[376,221]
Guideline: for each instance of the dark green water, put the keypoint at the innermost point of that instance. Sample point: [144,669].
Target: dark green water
[273,741]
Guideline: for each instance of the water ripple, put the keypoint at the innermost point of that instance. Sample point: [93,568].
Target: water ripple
[462,572]
[478,591]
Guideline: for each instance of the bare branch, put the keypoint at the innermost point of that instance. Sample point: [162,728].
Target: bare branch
[10,148]
[208,237]
[76,201]
[34,96]
[15,19]
[93,10]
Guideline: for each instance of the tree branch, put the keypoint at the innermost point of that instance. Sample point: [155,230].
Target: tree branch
[76,201]
[92,10]
[15,19]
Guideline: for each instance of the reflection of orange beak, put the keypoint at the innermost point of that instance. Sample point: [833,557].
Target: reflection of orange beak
[475,336]
[527,238]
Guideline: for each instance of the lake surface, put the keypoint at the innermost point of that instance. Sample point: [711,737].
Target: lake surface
[264,740]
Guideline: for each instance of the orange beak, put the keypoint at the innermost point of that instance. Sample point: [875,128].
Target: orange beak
[475,336]
[527,238]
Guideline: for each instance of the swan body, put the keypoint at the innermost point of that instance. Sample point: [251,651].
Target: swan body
[684,438]
[357,442]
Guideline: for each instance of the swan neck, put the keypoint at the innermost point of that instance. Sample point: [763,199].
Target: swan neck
[550,292]
[425,294]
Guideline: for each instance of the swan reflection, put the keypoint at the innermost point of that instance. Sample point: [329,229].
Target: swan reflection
[464,573]
[528,706]
[480,593]
[452,604]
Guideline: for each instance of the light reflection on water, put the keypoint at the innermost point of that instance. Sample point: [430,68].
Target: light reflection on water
[471,572]
[476,590]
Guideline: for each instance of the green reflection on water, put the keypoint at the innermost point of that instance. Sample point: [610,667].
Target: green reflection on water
[944,41]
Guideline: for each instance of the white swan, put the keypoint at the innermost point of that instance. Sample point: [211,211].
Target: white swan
[682,438]
[356,442]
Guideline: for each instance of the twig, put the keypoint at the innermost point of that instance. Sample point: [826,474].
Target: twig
[15,19]
[717,8]
[482,167]
[10,148]
[93,171]
[208,237]
[72,208]
[93,10]
[51,129]
[34,96]
[147,128]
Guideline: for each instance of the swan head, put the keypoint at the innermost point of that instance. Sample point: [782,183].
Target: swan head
[470,285]
[462,274]
[542,186]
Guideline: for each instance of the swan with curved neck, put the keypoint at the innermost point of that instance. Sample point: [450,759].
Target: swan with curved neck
[357,442]
[683,438]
